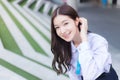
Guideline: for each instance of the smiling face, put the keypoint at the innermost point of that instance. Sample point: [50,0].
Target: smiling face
[66,28]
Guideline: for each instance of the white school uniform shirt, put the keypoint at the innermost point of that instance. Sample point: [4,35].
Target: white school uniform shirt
[93,57]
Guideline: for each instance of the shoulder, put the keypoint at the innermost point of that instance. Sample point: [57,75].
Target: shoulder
[94,38]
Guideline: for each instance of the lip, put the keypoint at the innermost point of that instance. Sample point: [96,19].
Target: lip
[66,35]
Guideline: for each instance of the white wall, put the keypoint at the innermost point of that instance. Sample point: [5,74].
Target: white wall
[72,3]
[118,2]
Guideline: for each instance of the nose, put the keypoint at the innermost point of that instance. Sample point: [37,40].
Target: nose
[62,30]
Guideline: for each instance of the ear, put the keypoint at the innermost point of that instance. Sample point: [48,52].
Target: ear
[77,21]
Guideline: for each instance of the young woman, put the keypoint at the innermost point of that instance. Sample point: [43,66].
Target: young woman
[80,53]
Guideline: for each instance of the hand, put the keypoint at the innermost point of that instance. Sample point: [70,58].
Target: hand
[84,29]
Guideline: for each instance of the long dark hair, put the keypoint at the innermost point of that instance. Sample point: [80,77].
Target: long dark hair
[60,48]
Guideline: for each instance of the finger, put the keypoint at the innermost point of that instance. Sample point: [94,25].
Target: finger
[83,20]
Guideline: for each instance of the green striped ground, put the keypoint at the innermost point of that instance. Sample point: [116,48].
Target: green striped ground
[8,40]
[11,45]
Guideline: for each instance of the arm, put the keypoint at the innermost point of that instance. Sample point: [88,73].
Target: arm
[93,59]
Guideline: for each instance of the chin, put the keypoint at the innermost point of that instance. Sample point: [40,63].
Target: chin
[68,40]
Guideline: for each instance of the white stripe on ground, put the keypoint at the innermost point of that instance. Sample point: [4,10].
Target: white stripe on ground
[36,36]
[47,7]
[33,21]
[29,2]
[6,74]
[21,41]
[39,3]
[29,66]
[18,1]
[1,45]
[41,17]
[47,19]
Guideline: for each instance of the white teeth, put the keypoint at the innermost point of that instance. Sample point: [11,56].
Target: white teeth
[67,32]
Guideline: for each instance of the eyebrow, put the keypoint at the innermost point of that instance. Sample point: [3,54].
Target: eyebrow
[62,22]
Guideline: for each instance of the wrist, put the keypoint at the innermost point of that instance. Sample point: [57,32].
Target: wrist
[84,38]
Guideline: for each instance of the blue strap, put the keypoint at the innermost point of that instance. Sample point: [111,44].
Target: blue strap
[78,70]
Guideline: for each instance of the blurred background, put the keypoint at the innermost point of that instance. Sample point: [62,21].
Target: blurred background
[25,35]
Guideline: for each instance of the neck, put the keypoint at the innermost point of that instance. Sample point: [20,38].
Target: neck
[77,40]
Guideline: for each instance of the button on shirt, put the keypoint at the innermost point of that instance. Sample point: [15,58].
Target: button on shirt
[93,57]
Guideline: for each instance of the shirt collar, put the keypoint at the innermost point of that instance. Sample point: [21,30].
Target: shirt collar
[73,47]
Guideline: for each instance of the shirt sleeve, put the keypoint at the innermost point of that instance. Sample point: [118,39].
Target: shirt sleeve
[93,57]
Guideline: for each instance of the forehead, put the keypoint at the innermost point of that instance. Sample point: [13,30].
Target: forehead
[60,18]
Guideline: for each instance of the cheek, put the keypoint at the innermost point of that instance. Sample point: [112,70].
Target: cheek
[57,32]
[73,27]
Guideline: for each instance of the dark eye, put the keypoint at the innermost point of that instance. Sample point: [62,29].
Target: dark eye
[56,28]
[65,23]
